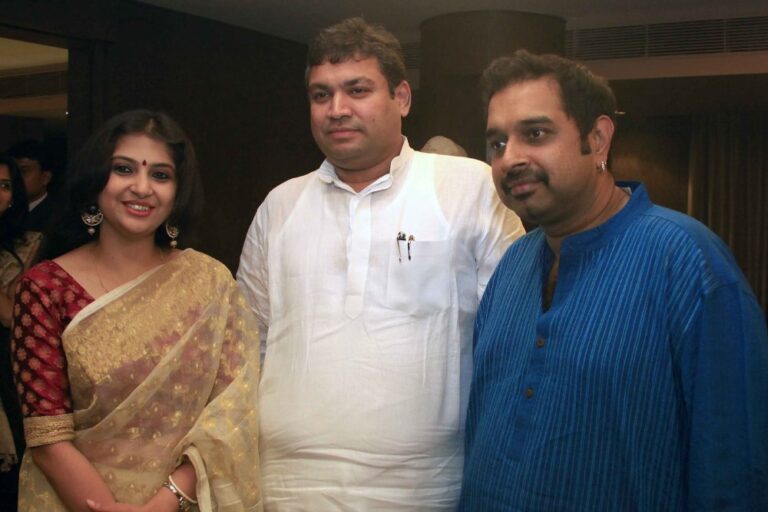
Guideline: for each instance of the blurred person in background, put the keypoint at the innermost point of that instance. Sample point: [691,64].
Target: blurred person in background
[36,167]
[18,249]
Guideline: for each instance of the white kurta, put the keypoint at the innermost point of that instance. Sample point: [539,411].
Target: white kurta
[368,352]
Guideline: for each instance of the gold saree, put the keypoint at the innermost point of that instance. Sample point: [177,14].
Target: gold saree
[163,367]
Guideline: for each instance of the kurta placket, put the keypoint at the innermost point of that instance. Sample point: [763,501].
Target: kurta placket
[359,244]
[358,251]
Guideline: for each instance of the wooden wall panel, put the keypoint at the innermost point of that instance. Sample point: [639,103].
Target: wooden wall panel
[238,93]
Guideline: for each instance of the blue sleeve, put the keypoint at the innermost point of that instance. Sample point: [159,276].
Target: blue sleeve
[725,383]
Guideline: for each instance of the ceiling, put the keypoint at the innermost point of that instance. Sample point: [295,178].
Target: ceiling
[297,20]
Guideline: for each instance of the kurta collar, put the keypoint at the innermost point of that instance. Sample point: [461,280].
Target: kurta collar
[327,172]
[596,237]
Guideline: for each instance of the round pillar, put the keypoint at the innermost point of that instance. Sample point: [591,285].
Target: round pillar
[455,49]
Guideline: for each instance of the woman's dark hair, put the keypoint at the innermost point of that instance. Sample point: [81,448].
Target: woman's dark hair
[12,219]
[91,168]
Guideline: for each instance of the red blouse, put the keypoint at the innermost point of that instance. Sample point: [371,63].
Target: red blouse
[47,298]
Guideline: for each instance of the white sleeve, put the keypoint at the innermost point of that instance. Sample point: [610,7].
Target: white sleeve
[502,226]
[253,272]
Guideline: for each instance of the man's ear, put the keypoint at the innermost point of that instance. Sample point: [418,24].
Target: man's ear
[601,136]
[403,98]
[47,176]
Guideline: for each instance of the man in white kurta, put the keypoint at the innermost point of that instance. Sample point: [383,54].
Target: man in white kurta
[366,284]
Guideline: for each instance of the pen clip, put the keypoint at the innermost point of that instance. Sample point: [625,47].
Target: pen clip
[400,238]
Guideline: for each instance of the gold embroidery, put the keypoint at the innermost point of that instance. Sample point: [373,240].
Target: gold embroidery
[164,369]
[41,430]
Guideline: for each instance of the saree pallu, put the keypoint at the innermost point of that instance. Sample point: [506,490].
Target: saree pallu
[162,367]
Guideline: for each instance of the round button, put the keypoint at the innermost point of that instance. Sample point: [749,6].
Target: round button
[529,393]
[540,342]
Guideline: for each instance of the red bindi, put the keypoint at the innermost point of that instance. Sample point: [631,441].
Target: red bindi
[144,162]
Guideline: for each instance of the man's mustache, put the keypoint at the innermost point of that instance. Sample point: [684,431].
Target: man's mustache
[520,176]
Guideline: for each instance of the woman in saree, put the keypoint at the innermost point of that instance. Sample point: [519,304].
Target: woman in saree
[136,362]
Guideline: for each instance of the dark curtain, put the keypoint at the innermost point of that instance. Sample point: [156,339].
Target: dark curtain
[728,187]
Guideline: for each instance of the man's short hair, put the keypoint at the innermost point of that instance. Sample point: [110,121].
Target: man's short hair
[585,96]
[32,150]
[356,38]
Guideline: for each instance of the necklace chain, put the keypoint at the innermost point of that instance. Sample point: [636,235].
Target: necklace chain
[98,276]
[163,258]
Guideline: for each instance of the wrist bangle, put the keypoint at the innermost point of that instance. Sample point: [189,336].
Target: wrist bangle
[186,497]
[184,504]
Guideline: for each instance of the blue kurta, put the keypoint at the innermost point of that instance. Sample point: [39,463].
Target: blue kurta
[643,387]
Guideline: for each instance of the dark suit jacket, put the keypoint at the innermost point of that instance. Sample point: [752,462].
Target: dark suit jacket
[38,218]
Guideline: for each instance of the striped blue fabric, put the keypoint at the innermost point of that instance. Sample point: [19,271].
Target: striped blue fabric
[643,387]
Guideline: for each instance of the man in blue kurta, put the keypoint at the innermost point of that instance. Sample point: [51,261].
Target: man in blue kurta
[621,359]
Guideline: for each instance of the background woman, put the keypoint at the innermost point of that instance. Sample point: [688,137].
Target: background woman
[17,247]
[17,251]
[134,359]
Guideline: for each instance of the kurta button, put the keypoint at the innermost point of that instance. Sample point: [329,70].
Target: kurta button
[540,342]
[529,393]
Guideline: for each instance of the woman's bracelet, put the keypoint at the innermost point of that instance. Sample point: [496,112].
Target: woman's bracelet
[183,494]
[185,504]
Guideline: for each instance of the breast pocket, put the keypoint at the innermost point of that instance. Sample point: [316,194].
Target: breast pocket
[421,284]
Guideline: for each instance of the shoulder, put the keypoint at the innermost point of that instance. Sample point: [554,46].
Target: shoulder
[464,179]
[290,189]
[45,282]
[30,238]
[283,198]
[204,261]
[682,231]
[456,166]
[517,265]
[212,275]
[28,246]
[44,273]
[205,266]
[45,204]
[522,248]
[77,263]
[686,242]
[520,258]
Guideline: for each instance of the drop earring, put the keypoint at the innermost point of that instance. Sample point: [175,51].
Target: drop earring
[173,234]
[92,217]
[603,166]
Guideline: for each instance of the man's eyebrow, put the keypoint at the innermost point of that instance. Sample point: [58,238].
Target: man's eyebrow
[493,132]
[535,120]
[357,81]
[523,123]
